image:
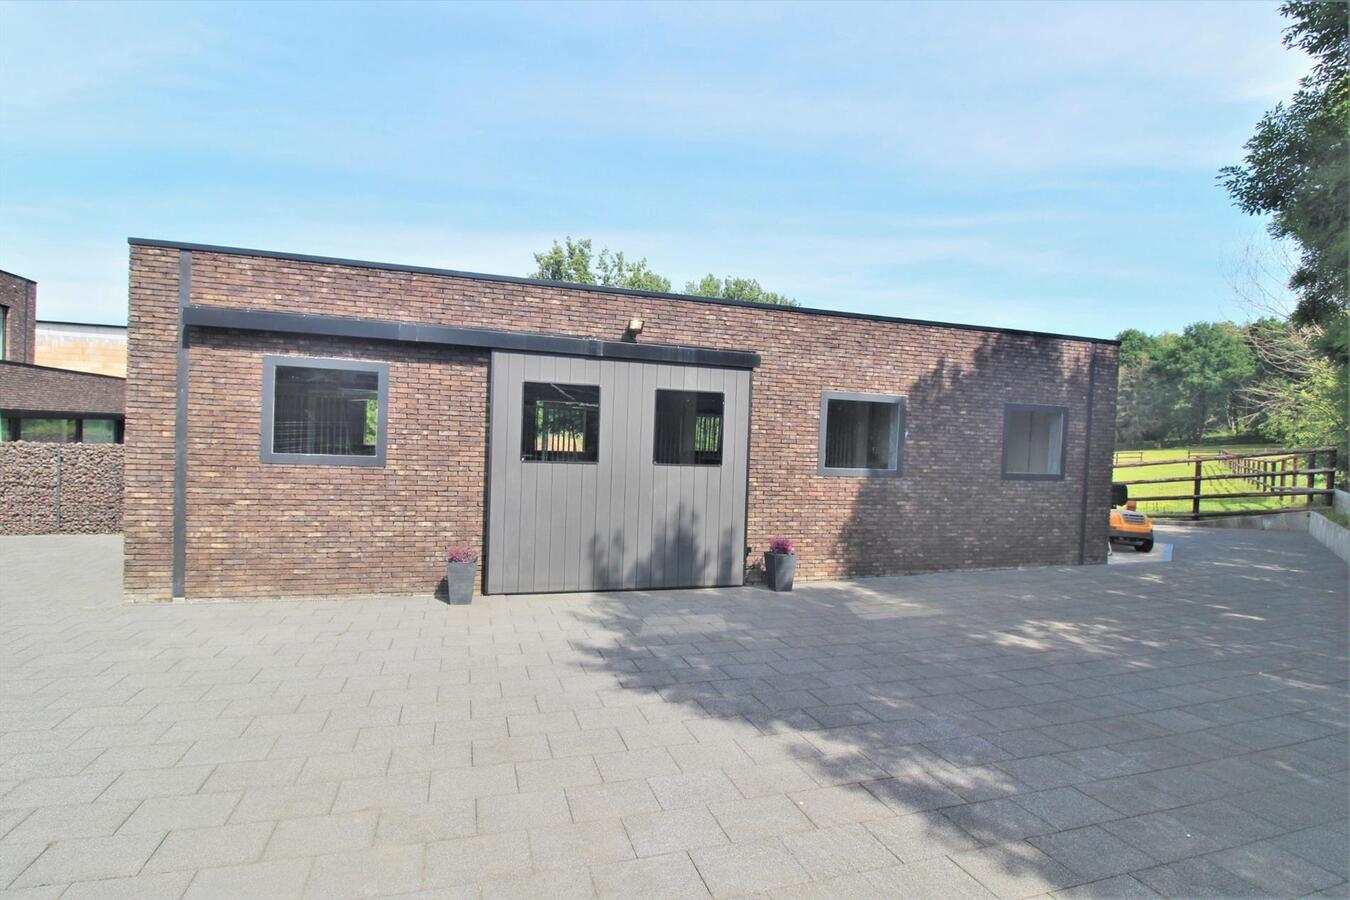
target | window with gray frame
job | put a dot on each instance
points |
(688, 428)
(1033, 441)
(861, 434)
(324, 411)
(560, 422)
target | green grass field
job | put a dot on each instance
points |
(1142, 492)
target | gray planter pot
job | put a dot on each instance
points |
(459, 581)
(779, 569)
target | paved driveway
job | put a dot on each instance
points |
(1177, 728)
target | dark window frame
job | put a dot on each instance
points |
(1008, 410)
(599, 400)
(721, 426)
(899, 428)
(269, 394)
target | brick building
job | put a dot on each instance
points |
(303, 426)
(82, 346)
(42, 401)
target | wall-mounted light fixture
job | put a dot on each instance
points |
(634, 329)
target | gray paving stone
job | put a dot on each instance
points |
(279, 880)
(557, 885)
(317, 835)
(759, 818)
(997, 821)
(915, 837)
(1016, 870)
(1066, 807)
(56, 791)
(80, 820)
(840, 805)
(521, 812)
(200, 848)
(1198, 877)
(697, 788)
(473, 782)
(673, 875)
(936, 877)
(1274, 869)
(557, 773)
(669, 831)
(382, 871)
(1116, 886)
(288, 802)
(159, 886)
(14, 858)
(748, 867)
(1092, 852)
(481, 858)
(828, 852)
(85, 859)
(423, 823)
(579, 845)
(612, 800)
(160, 814)
(388, 790)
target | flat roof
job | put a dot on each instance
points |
(15, 275)
(79, 372)
(600, 289)
(80, 324)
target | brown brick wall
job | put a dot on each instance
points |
(19, 298)
(83, 495)
(950, 510)
(37, 389)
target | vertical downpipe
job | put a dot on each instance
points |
(1087, 458)
(180, 431)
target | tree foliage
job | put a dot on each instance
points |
(731, 288)
(575, 261)
(1181, 386)
(1297, 164)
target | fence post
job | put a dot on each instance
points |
(58, 490)
(1331, 478)
(1312, 476)
(1195, 501)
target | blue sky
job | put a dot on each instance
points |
(1045, 166)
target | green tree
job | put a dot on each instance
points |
(731, 288)
(1205, 368)
(574, 262)
(1137, 418)
(577, 263)
(1297, 165)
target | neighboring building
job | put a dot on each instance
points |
(49, 403)
(306, 426)
(83, 347)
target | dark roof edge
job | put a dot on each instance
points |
(599, 289)
(83, 324)
(15, 362)
(16, 275)
(451, 336)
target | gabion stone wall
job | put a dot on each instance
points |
(60, 488)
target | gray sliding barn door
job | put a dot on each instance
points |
(562, 522)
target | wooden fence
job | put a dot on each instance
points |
(1270, 473)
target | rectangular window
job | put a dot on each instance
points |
(560, 422)
(99, 431)
(861, 434)
(1033, 441)
(324, 411)
(688, 428)
(51, 431)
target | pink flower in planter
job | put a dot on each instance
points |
(462, 554)
(781, 545)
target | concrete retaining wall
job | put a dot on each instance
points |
(1330, 535)
(60, 488)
